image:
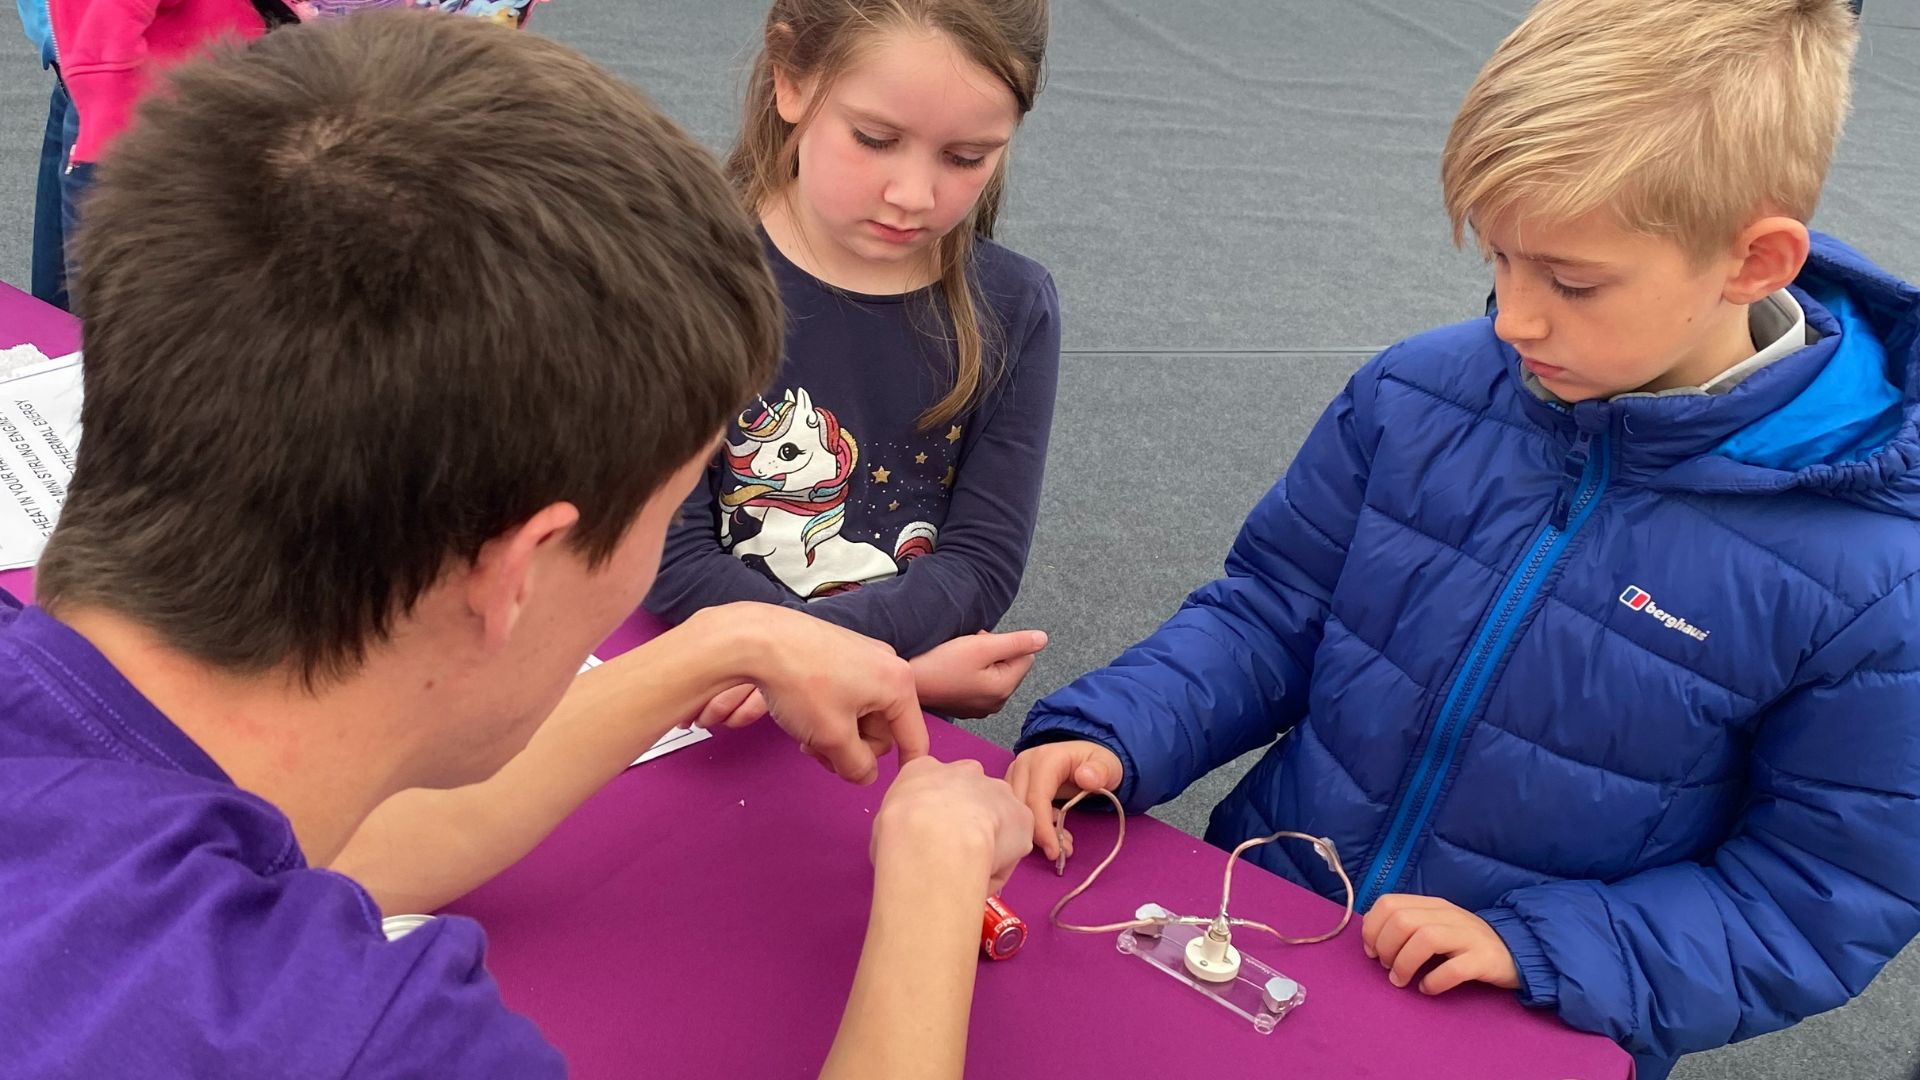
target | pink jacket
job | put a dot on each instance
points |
(108, 51)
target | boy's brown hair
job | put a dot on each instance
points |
(369, 293)
(1685, 118)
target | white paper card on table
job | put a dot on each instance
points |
(39, 432)
(15, 357)
(678, 738)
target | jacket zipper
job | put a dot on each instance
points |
(1587, 468)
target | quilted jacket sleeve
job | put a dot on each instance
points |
(1230, 669)
(1816, 889)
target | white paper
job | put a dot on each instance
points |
(678, 738)
(14, 358)
(675, 739)
(39, 432)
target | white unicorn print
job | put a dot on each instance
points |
(791, 475)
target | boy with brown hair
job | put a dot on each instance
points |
(1590, 626)
(405, 338)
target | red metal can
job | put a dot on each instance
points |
(1001, 932)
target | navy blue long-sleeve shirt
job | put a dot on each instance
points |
(829, 497)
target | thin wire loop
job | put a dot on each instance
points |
(1323, 846)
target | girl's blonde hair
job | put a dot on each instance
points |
(812, 42)
(1686, 118)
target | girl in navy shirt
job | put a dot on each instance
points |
(889, 479)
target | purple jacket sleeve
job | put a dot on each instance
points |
(446, 1018)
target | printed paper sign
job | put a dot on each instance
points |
(39, 432)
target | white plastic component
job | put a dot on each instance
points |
(1151, 911)
(1245, 996)
(396, 927)
(1212, 958)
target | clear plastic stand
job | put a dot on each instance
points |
(1258, 994)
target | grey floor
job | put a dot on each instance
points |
(1239, 200)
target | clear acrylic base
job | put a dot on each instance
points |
(1258, 994)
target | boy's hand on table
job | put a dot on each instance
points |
(953, 810)
(974, 676)
(1058, 770)
(1406, 932)
(845, 698)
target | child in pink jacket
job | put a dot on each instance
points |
(107, 52)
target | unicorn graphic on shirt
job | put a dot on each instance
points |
(791, 475)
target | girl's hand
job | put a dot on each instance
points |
(1406, 932)
(971, 677)
(736, 707)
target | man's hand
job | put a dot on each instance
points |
(845, 698)
(945, 838)
(1056, 771)
(940, 811)
(974, 676)
(1406, 932)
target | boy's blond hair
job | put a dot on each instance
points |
(1687, 118)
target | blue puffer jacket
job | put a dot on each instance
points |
(1638, 680)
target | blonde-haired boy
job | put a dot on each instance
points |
(1591, 623)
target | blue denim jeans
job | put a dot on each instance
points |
(51, 212)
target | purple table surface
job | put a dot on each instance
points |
(26, 321)
(700, 917)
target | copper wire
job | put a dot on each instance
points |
(1321, 845)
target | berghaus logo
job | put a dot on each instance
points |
(1641, 601)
